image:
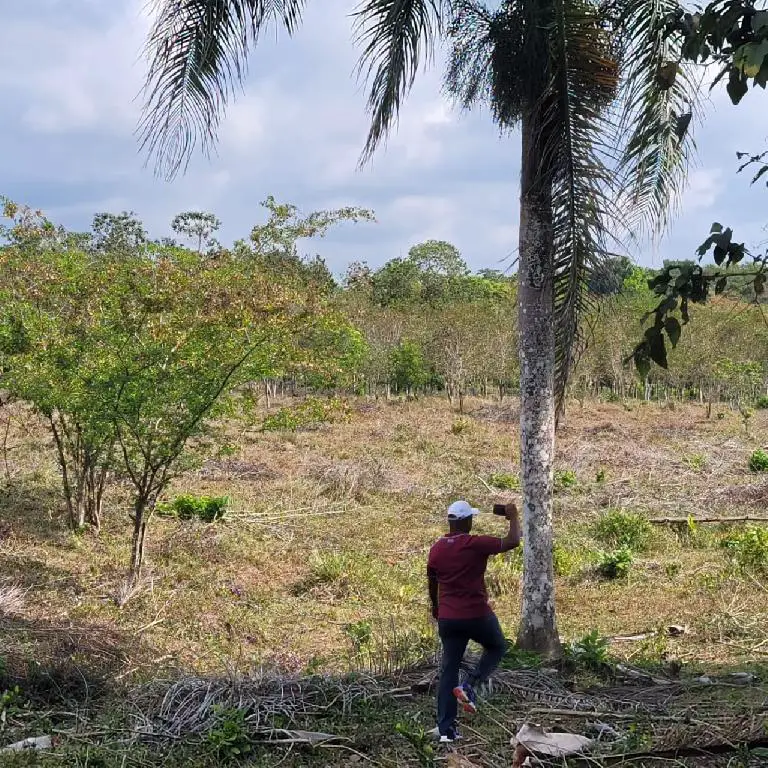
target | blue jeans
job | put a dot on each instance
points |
(454, 635)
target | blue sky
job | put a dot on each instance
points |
(70, 71)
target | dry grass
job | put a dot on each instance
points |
(375, 488)
(319, 564)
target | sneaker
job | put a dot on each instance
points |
(465, 695)
(450, 737)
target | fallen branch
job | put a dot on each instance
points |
(697, 520)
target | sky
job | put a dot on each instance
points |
(70, 76)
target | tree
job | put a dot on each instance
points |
(552, 66)
(198, 226)
(438, 257)
(120, 233)
(129, 356)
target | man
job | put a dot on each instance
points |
(456, 573)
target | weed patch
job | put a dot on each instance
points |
(615, 564)
(505, 481)
(758, 461)
(748, 549)
(624, 530)
(207, 509)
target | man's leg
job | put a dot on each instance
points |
(454, 638)
(487, 632)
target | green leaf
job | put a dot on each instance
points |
(658, 349)
(737, 86)
(760, 21)
(642, 361)
(673, 329)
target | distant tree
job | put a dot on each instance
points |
(409, 370)
(198, 226)
(120, 233)
(398, 282)
(438, 257)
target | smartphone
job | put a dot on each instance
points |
(500, 509)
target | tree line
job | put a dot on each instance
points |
(129, 349)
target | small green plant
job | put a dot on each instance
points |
(624, 530)
(228, 738)
(748, 549)
(673, 569)
(758, 461)
(208, 509)
(419, 738)
(565, 560)
(600, 476)
(517, 658)
(505, 481)
(564, 479)
(460, 426)
(360, 633)
(590, 652)
(762, 402)
(615, 564)
(695, 461)
(10, 703)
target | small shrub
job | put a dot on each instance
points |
(420, 740)
(505, 481)
(591, 652)
(748, 549)
(673, 569)
(360, 633)
(696, 461)
(762, 402)
(208, 509)
(460, 426)
(624, 530)
(565, 478)
(616, 564)
(228, 738)
(758, 461)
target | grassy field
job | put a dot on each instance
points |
(319, 563)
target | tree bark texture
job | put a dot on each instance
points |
(538, 629)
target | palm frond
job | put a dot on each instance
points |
(580, 131)
(487, 64)
(659, 95)
(395, 35)
(197, 51)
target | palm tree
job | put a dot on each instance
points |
(600, 97)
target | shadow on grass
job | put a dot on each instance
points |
(57, 663)
(31, 506)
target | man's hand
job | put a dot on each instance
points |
(512, 539)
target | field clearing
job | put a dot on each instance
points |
(319, 564)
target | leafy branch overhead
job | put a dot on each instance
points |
(680, 284)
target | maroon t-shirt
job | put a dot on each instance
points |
(459, 560)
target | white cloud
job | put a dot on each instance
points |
(70, 72)
(703, 190)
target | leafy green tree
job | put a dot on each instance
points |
(438, 257)
(197, 226)
(559, 68)
(409, 370)
(121, 233)
(397, 283)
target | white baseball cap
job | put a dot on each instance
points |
(460, 510)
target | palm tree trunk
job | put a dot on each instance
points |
(538, 630)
